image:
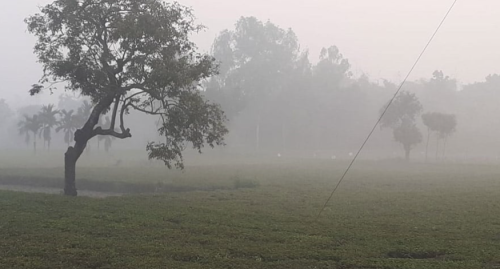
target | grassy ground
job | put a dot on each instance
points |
(383, 216)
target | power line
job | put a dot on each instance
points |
(386, 108)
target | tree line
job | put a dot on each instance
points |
(126, 55)
(41, 125)
(277, 99)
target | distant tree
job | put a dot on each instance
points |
(429, 120)
(439, 92)
(440, 82)
(5, 115)
(68, 124)
(256, 60)
(48, 119)
(442, 124)
(401, 117)
(30, 125)
(69, 102)
(129, 55)
(331, 69)
(448, 127)
(408, 135)
(5, 112)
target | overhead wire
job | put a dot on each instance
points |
(385, 110)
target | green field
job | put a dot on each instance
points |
(259, 214)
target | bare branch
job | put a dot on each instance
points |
(115, 109)
(150, 112)
(124, 134)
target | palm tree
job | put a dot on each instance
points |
(68, 124)
(30, 124)
(48, 119)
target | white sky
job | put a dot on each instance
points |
(381, 38)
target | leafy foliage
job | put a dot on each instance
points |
(256, 58)
(130, 54)
(404, 106)
(441, 123)
(401, 116)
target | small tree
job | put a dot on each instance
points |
(429, 120)
(123, 55)
(447, 128)
(408, 135)
(400, 117)
(443, 125)
(48, 120)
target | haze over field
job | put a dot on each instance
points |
(380, 40)
(106, 105)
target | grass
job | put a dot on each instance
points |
(383, 216)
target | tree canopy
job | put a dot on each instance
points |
(130, 55)
(134, 54)
(401, 117)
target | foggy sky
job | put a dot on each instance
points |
(380, 38)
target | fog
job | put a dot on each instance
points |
(313, 107)
(285, 134)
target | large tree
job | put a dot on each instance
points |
(123, 55)
(400, 117)
(256, 62)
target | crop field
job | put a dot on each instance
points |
(251, 214)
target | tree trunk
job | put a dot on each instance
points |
(70, 158)
(81, 137)
(48, 145)
(34, 146)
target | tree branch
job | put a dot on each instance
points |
(113, 116)
(155, 112)
(124, 134)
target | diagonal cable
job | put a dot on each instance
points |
(386, 108)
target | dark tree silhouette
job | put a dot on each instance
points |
(123, 55)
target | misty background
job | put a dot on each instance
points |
(308, 79)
